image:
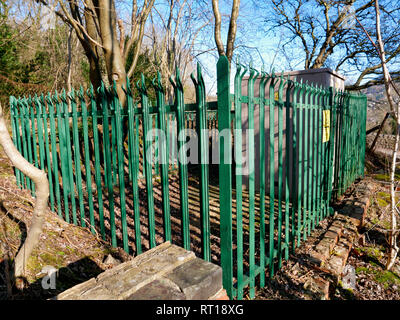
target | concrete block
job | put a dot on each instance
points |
(159, 289)
(198, 279)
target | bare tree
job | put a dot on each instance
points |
(39, 177)
(173, 35)
(230, 42)
(327, 34)
(97, 26)
(395, 111)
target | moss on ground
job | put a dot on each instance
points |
(384, 277)
(386, 177)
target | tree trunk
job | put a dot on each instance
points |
(393, 248)
(115, 63)
(39, 177)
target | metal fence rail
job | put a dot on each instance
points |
(95, 154)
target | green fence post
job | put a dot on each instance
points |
(251, 165)
(332, 137)
(310, 136)
(202, 134)
(15, 131)
(147, 165)
(288, 193)
(238, 174)
(25, 137)
(97, 172)
(225, 172)
(306, 168)
(301, 166)
(163, 149)
(69, 159)
(282, 84)
(316, 106)
(47, 147)
(88, 172)
(134, 160)
(108, 169)
(271, 174)
(262, 84)
(182, 159)
(296, 185)
(77, 156)
(121, 164)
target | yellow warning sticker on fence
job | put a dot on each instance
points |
(326, 125)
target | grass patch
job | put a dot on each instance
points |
(386, 177)
(381, 203)
(387, 278)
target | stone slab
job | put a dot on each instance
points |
(159, 289)
(123, 280)
(166, 272)
(198, 279)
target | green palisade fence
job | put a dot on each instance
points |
(97, 156)
(283, 210)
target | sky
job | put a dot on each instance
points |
(253, 44)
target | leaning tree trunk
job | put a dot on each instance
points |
(39, 177)
(393, 233)
(393, 247)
